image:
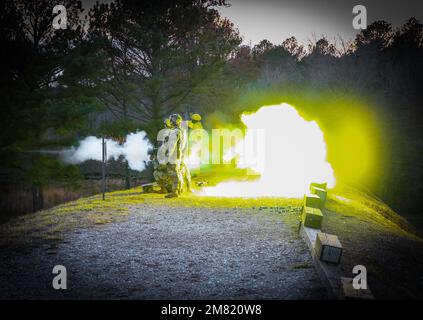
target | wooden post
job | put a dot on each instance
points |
(106, 184)
(103, 168)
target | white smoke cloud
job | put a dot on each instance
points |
(134, 150)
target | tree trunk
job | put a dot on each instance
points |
(37, 198)
(127, 176)
(157, 120)
(125, 119)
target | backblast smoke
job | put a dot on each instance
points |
(134, 150)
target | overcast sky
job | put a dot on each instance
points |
(277, 20)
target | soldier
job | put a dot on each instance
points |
(175, 155)
(161, 170)
(195, 122)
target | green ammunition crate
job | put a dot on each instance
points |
(321, 193)
(318, 185)
(312, 217)
(312, 201)
(328, 248)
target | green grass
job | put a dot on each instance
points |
(85, 212)
(52, 224)
(350, 202)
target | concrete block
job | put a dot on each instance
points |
(310, 235)
(330, 274)
(328, 248)
(349, 293)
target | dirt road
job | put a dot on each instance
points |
(169, 253)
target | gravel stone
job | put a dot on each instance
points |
(169, 253)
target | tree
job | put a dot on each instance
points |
(291, 45)
(30, 90)
(154, 56)
(242, 68)
(157, 54)
(262, 47)
(378, 34)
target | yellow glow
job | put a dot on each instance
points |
(356, 149)
(194, 157)
(291, 156)
(198, 151)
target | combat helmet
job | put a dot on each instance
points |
(175, 119)
(195, 117)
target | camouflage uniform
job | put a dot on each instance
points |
(175, 154)
(161, 175)
(185, 177)
(185, 172)
(175, 178)
(192, 124)
(162, 172)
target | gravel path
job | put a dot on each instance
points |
(163, 253)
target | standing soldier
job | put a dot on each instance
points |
(175, 155)
(195, 122)
(160, 166)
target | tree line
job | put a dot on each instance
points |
(125, 65)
